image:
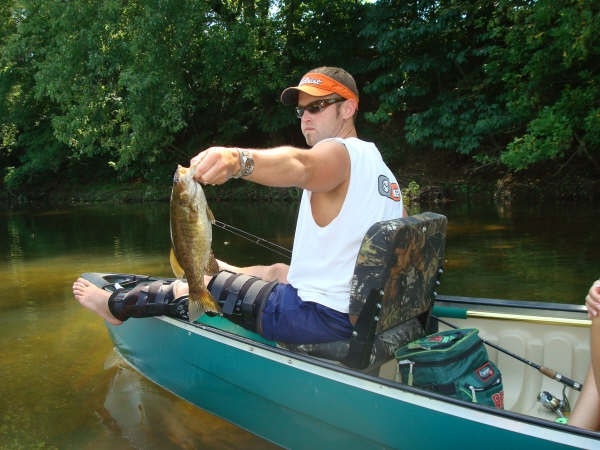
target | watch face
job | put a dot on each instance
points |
(248, 164)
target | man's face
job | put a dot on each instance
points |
(319, 125)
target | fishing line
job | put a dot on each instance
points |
(550, 373)
(272, 246)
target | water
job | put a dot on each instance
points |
(64, 388)
(542, 251)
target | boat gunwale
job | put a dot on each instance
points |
(512, 303)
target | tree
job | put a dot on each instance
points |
(126, 90)
(432, 57)
(28, 145)
(509, 82)
(552, 82)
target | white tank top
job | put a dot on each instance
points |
(323, 258)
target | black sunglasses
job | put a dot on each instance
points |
(318, 106)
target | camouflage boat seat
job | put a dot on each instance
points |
(397, 270)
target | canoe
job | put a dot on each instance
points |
(298, 401)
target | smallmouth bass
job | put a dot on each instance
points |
(191, 239)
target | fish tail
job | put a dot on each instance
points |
(210, 306)
(194, 309)
(204, 304)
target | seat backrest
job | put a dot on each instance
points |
(402, 257)
(391, 295)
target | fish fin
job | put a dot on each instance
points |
(210, 215)
(212, 266)
(175, 266)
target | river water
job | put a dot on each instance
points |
(62, 385)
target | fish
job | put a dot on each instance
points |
(191, 241)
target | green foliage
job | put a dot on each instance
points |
(549, 135)
(129, 89)
(119, 79)
(411, 193)
(552, 84)
(489, 79)
(432, 56)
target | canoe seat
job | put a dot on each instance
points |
(392, 290)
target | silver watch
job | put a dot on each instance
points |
(246, 164)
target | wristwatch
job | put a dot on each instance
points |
(246, 164)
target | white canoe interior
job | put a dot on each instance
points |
(563, 347)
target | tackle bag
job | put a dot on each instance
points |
(453, 363)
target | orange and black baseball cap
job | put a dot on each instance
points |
(321, 82)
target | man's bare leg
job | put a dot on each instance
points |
(275, 272)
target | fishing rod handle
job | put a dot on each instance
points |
(561, 378)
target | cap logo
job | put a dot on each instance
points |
(309, 80)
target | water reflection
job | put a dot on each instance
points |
(60, 396)
(15, 249)
(531, 252)
(146, 418)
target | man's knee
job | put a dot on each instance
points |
(278, 272)
(241, 297)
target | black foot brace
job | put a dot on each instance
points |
(147, 300)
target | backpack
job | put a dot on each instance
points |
(453, 363)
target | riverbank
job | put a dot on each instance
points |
(443, 177)
(424, 179)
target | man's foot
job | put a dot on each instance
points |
(94, 298)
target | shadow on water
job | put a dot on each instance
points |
(67, 390)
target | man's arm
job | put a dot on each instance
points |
(319, 169)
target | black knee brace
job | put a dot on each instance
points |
(241, 297)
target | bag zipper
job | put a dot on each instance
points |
(474, 389)
(446, 361)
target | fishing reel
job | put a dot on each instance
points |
(562, 408)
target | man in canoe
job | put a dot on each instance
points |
(586, 413)
(346, 188)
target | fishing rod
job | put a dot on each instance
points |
(272, 246)
(550, 373)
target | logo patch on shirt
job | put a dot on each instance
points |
(389, 189)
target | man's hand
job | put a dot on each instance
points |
(215, 165)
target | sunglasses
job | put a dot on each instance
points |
(318, 106)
